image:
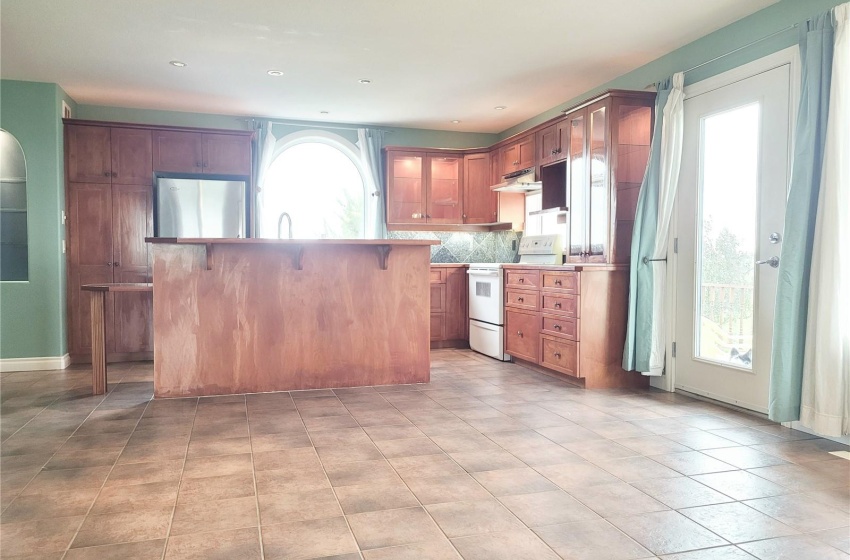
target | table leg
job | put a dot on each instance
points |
(98, 343)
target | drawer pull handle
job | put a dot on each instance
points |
(519, 299)
(557, 282)
(519, 334)
(558, 305)
(557, 355)
(557, 327)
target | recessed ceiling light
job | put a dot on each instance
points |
(275, 73)
(500, 107)
(323, 112)
(455, 121)
(365, 81)
(177, 63)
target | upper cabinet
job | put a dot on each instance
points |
(518, 155)
(552, 143)
(479, 201)
(195, 152)
(425, 188)
(99, 154)
(608, 151)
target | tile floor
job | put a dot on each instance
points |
(489, 461)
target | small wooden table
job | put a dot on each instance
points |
(98, 328)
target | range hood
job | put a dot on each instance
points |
(523, 181)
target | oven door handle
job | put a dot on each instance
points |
(480, 272)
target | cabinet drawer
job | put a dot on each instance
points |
(522, 334)
(560, 355)
(566, 281)
(561, 304)
(438, 298)
(438, 276)
(521, 299)
(568, 328)
(528, 279)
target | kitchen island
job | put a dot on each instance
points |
(258, 315)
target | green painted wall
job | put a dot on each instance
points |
(32, 313)
(397, 136)
(760, 24)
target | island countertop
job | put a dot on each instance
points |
(259, 315)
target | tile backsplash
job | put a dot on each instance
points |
(466, 247)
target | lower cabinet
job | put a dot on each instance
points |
(570, 320)
(449, 312)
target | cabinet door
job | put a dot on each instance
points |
(227, 154)
(180, 152)
(577, 186)
(522, 334)
(598, 215)
(510, 158)
(443, 192)
(405, 188)
(132, 156)
(89, 159)
(479, 202)
(132, 221)
(547, 145)
(457, 313)
(89, 259)
(438, 298)
(495, 167)
(526, 153)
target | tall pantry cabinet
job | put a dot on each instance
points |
(110, 212)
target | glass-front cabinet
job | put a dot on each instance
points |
(424, 188)
(443, 200)
(609, 149)
(406, 203)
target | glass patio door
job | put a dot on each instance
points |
(731, 207)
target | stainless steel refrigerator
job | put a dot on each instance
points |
(192, 207)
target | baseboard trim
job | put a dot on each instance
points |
(35, 364)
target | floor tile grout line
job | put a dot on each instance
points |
(112, 468)
(254, 480)
(179, 480)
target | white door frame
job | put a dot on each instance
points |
(789, 56)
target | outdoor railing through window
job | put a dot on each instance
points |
(727, 320)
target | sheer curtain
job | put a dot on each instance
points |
(266, 142)
(792, 291)
(645, 342)
(825, 398)
(370, 141)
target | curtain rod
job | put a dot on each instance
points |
(312, 125)
(748, 45)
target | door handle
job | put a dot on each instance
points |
(772, 261)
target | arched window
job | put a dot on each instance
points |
(316, 177)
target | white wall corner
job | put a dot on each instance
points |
(35, 364)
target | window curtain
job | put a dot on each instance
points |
(792, 291)
(370, 141)
(825, 397)
(646, 329)
(263, 157)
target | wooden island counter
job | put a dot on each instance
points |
(258, 315)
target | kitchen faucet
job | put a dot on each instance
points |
(280, 223)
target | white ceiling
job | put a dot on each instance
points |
(429, 61)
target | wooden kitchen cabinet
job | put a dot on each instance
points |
(479, 201)
(449, 307)
(570, 321)
(197, 152)
(518, 155)
(552, 143)
(424, 188)
(98, 154)
(608, 152)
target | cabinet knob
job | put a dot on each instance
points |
(416, 215)
(109, 263)
(116, 263)
(114, 174)
(521, 280)
(557, 282)
(106, 173)
(558, 305)
(557, 354)
(556, 327)
(199, 164)
(519, 334)
(464, 216)
(519, 299)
